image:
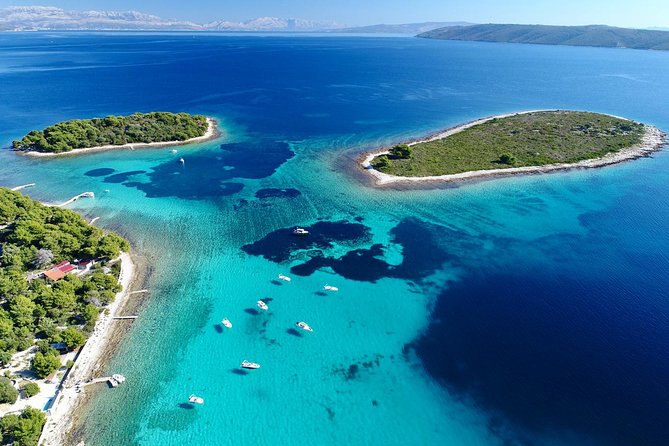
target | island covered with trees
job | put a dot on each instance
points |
(41, 311)
(516, 143)
(589, 35)
(138, 128)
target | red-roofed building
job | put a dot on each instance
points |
(66, 268)
(63, 263)
(54, 274)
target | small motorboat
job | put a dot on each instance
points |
(300, 231)
(174, 150)
(195, 399)
(250, 365)
(182, 161)
(330, 288)
(118, 378)
(304, 326)
(262, 305)
(284, 278)
(226, 323)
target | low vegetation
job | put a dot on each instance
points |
(30, 389)
(530, 139)
(8, 393)
(114, 130)
(33, 237)
(24, 429)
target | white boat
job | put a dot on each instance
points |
(118, 378)
(330, 288)
(304, 326)
(182, 161)
(174, 150)
(284, 278)
(262, 305)
(250, 365)
(195, 399)
(226, 323)
(300, 231)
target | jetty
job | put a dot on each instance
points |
(23, 186)
(120, 318)
(113, 380)
(73, 199)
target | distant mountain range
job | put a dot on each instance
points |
(35, 18)
(270, 24)
(593, 35)
(19, 18)
(38, 18)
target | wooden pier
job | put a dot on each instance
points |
(113, 380)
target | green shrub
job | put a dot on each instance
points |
(382, 162)
(30, 389)
(43, 365)
(507, 158)
(8, 394)
(401, 151)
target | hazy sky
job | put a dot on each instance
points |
(644, 13)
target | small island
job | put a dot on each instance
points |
(155, 129)
(525, 142)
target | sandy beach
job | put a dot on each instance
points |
(60, 416)
(212, 133)
(654, 139)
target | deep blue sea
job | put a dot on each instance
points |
(519, 311)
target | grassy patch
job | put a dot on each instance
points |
(531, 139)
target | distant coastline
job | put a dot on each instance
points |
(212, 133)
(653, 140)
(591, 35)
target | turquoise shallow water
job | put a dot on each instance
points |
(527, 310)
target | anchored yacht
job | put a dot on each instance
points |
(250, 365)
(195, 399)
(226, 323)
(262, 305)
(284, 278)
(304, 326)
(330, 288)
(300, 231)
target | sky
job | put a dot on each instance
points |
(625, 13)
